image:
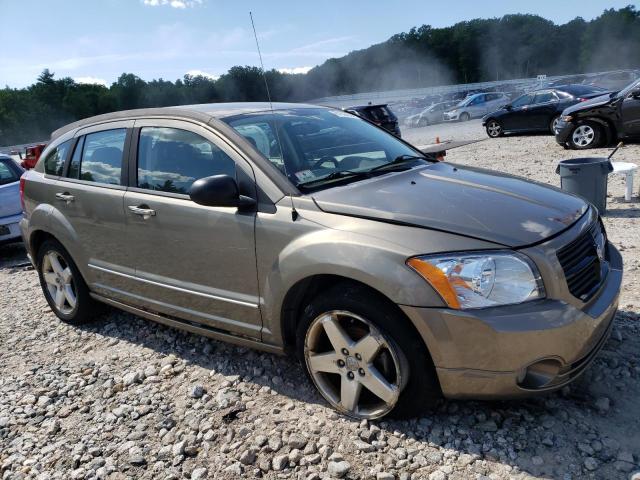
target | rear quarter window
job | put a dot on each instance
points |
(54, 161)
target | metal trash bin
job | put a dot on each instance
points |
(586, 177)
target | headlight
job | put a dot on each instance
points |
(567, 118)
(480, 279)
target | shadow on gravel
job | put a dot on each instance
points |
(13, 255)
(583, 428)
(633, 212)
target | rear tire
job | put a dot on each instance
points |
(553, 124)
(494, 129)
(465, 117)
(63, 286)
(586, 135)
(401, 358)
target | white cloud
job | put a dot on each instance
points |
(91, 81)
(172, 3)
(295, 70)
(200, 73)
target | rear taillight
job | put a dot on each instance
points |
(583, 99)
(22, 181)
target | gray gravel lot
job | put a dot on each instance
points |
(127, 398)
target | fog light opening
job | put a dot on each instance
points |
(539, 374)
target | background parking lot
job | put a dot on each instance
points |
(128, 398)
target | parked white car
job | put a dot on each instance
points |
(429, 116)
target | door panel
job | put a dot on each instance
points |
(92, 205)
(193, 262)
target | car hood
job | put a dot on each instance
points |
(468, 201)
(587, 104)
(10, 199)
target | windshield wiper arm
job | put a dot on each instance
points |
(399, 160)
(335, 175)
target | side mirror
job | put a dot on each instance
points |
(508, 106)
(635, 93)
(219, 191)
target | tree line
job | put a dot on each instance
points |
(513, 46)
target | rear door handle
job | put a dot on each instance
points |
(145, 213)
(65, 197)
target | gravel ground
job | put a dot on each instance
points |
(127, 398)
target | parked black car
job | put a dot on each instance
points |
(380, 114)
(539, 110)
(601, 120)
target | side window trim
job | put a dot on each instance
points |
(67, 163)
(124, 172)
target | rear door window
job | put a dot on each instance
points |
(54, 161)
(98, 157)
(544, 97)
(522, 101)
(171, 159)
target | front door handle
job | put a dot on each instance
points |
(65, 197)
(145, 213)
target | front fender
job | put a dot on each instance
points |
(325, 251)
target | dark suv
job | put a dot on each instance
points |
(601, 120)
(380, 115)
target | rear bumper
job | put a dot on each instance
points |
(12, 224)
(517, 351)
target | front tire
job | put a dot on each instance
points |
(553, 125)
(585, 135)
(62, 284)
(465, 117)
(494, 129)
(363, 358)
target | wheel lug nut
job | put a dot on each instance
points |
(358, 356)
(345, 351)
(350, 375)
(341, 363)
(361, 372)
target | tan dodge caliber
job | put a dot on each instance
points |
(395, 279)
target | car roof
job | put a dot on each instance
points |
(203, 112)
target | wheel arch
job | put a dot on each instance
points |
(303, 292)
(606, 124)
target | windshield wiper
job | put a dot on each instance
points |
(335, 175)
(395, 163)
(399, 160)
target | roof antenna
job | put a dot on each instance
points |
(264, 75)
(294, 212)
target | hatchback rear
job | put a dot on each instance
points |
(10, 208)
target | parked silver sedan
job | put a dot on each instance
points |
(429, 116)
(476, 106)
(392, 277)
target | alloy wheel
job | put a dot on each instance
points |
(494, 129)
(357, 369)
(554, 125)
(59, 282)
(583, 135)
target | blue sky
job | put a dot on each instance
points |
(96, 40)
